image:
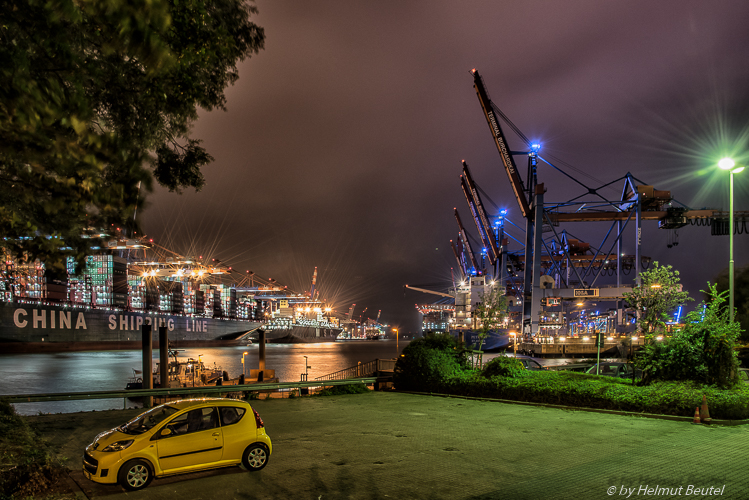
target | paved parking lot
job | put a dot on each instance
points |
(405, 446)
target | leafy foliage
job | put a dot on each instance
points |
(428, 361)
(504, 366)
(338, 390)
(490, 313)
(420, 371)
(703, 351)
(27, 467)
(96, 99)
(658, 294)
(741, 296)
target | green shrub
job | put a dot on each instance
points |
(591, 391)
(27, 468)
(428, 362)
(439, 370)
(504, 366)
(703, 351)
(338, 390)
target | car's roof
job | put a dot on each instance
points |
(189, 403)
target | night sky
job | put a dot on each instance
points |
(342, 142)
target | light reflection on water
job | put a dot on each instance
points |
(109, 370)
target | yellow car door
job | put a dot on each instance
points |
(194, 441)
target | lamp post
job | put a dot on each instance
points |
(243, 355)
(730, 165)
(397, 351)
(514, 343)
(306, 367)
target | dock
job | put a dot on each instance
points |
(551, 347)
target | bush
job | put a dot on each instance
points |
(439, 370)
(27, 468)
(591, 391)
(703, 351)
(338, 390)
(428, 362)
(504, 366)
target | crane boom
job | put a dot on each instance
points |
(466, 243)
(474, 211)
(482, 222)
(461, 262)
(504, 151)
(424, 290)
(312, 289)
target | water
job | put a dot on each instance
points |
(109, 370)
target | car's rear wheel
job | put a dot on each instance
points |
(255, 457)
(135, 475)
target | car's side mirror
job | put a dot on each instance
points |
(165, 432)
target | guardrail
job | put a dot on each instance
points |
(367, 369)
(176, 391)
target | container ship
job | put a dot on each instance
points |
(105, 305)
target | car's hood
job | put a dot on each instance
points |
(105, 438)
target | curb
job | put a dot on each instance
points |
(582, 408)
(73, 484)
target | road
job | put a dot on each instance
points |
(386, 445)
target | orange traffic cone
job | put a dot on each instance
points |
(696, 419)
(704, 412)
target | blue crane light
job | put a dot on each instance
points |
(536, 147)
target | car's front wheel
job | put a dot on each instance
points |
(255, 457)
(135, 475)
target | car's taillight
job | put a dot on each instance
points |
(258, 420)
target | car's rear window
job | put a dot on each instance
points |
(231, 414)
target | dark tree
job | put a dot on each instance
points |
(740, 296)
(96, 101)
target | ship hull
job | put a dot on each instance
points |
(495, 340)
(300, 335)
(32, 327)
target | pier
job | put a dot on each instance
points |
(549, 347)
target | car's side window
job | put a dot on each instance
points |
(179, 425)
(231, 415)
(193, 421)
(209, 418)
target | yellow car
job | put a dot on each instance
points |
(178, 437)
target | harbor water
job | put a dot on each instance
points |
(51, 373)
(109, 370)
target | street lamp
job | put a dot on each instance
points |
(514, 343)
(306, 367)
(730, 165)
(243, 355)
(397, 351)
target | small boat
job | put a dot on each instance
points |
(182, 373)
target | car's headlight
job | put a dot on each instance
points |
(118, 446)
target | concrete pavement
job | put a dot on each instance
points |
(405, 446)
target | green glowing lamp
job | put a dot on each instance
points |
(729, 164)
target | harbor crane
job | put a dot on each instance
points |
(638, 201)
(466, 245)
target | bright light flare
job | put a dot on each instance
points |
(729, 164)
(726, 163)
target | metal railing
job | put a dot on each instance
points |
(368, 369)
(176, 391)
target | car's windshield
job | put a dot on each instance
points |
(146, 421)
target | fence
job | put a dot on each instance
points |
(368, 369)
(177, 391)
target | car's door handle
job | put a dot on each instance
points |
(215, 434)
